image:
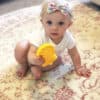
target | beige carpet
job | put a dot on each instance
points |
(19, 25)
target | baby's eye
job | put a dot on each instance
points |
(61, 23)
(49, 22)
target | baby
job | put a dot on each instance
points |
(56, 18)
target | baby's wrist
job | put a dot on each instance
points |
(77, 67)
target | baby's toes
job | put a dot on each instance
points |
(20, 74)
(36, 72)
(37, 76)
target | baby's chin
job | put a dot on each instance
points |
(54, 35)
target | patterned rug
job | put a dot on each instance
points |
(18, 25)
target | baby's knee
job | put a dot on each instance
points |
(22, 44)
(21, 49)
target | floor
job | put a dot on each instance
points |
(11, 5)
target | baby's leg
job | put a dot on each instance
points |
(36, 71)
(21, 52)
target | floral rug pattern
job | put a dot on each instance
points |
(17, 26)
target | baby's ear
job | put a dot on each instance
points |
(70, 23)
(41, 20)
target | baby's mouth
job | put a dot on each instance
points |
(55, 34)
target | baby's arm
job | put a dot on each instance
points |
(75, 57)
(83, 71)
(32, 58)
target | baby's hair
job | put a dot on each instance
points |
(44, 9)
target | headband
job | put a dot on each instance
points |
(64, 9)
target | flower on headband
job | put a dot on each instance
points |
(52, 7)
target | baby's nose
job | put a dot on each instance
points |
(54, 27)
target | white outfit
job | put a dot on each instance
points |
(67, 42)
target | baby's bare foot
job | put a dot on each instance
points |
(36, 72)
(22, 71)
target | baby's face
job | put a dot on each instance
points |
(55, 25)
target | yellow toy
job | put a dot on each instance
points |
(47, 51)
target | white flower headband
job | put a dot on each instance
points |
(52, 7)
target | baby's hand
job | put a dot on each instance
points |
(38, 60)
(83, 71)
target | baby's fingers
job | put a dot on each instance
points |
(40, 60)
(87, 74)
